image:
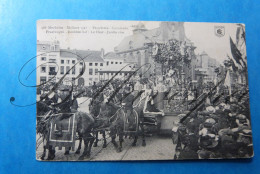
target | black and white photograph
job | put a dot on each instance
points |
(141, 90)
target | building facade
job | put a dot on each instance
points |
(114, 64)
(53, 63)
(205, 67)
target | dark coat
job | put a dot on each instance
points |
(129, 100)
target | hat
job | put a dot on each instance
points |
(210, 120)
(241, 117)
(211, 109)
(127, 88)
(63, 88)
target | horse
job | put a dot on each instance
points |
(88, 126)
(119, 127)
(138, 106)
(85, 126)
(95, 110)
(112, 109)
(142, 106)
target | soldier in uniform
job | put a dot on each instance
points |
(94, 105)
(128, 107)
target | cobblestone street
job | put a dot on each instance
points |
(157, 148)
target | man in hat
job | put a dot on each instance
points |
(186, 143)
(128, 106)
(208, 139)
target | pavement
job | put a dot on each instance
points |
(157, 148)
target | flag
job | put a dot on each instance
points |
(227, 83)
(236, 54)
(234, 66)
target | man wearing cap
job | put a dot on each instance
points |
(128, 106)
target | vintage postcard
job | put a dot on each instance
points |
(141, 90)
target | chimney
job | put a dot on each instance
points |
(102, 53)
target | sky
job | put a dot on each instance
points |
(204, 38)
(201, 34)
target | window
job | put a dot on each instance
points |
(107, 73)
(62, 70)
(43, 69)
(90, 64)
(67, 70)
(112, 62)
(101, 64)
(90, 71)
(43, 58)
(62, 61)
(90, 79)
(73, 61)
(73, 70)
(107, 63)
(112, 73)
(42, 80)
(115, 62)
(101, 73)
(68, 61)
(52, 71)
(96, 64)
(120, 74)
(96, 71)
(120, 62)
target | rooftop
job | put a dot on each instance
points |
(87, 55)
(112, 55)
(123, 67)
